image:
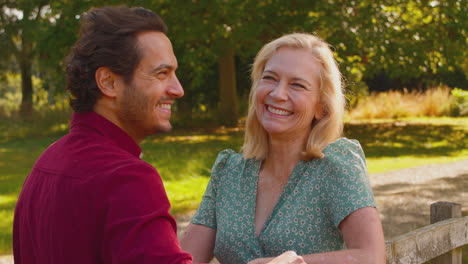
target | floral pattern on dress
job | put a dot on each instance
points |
(319, 194)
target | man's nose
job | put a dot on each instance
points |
(175, 89)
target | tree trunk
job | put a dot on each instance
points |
(228, 89)
(26, 107)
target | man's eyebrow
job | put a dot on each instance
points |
(163, 66)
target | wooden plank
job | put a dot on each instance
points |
(428, 242)
(439, 212)
(444, 210)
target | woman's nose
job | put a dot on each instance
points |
(280, 91)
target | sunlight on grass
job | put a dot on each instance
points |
(192, 138)
(184, 159)
(4, 150)
(59, 128)
(378, 165)
(452, 121)
(185, 195)
(6, 225)
(7, 199)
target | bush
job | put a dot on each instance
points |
(459, 105)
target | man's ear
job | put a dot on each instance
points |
(105, 80)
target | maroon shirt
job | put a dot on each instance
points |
(91, 199)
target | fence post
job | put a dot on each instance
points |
(442, 211)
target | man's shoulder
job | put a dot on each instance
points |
(85, 157)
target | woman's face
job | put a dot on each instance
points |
(288, 92)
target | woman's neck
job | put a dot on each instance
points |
(283, 156)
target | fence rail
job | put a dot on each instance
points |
(439, 242)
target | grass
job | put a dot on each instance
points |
(184, 158)
(396, 144)
(16, 159)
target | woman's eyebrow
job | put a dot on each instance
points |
(301, 80)
(269, 71)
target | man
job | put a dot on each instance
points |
(90, 198)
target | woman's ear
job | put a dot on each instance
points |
(319, 111)
(105, 80)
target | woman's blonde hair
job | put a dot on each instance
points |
(325, 130)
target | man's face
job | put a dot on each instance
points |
(144, 105)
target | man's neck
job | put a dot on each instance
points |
(107, 111)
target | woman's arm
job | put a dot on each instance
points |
(199, 241)
(363, 235)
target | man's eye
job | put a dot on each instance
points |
(162, 74)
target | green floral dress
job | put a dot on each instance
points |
(320, 193)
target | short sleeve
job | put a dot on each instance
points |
(346, 186)
(206, 213)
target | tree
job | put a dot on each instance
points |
(37, 29)
(216, 32)
(410, 40)
(406, 39)
(19, 23)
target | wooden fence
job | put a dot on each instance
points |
(439, 242)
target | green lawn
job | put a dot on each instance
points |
(184, 159)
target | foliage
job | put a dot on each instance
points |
(419, 43)
(208, 34)
(47, 107)
(10, 96)
(36, 35)
(410, 40)
(460, 102)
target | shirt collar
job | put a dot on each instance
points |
(92, 120)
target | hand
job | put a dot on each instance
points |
(288, 257)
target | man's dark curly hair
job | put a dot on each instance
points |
(107, 39)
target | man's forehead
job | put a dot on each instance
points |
(156, 49)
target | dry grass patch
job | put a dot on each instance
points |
(398, 104)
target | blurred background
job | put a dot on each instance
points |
(405, 64)
(414, 48)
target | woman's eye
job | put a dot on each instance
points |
(268, 77)
(298, 85)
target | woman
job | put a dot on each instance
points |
(296, 185)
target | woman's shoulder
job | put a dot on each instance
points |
(228, 158)
(344, 160)
(342, 146)
(343, 152)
